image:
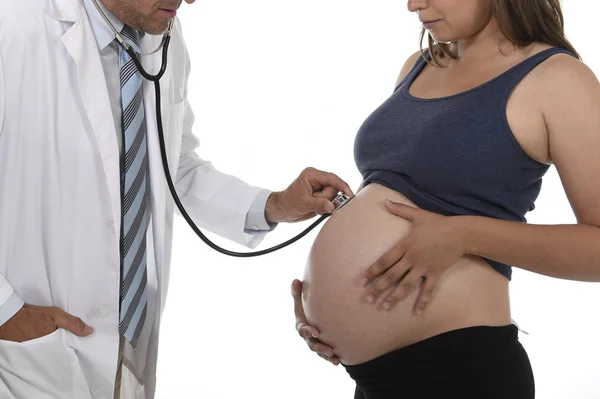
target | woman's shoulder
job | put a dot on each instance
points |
(409, 64)
(564, 70)
(567, 89)
(561, 62)
(558, 76)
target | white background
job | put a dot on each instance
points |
(281, 85)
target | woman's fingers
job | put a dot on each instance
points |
(333, 360)
(317, 346)
(391, 277)
(307, 331)
(302, 326)
(383, 264)
(298, 308)
(426, 294)
(408, 284)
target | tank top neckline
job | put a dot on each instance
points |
(421, 63)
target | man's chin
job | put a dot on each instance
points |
(157, 27)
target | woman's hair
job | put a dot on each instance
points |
(522, 22)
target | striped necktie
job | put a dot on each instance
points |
(135, 210)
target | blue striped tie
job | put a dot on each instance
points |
(135, 211)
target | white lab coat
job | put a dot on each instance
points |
(60, 198)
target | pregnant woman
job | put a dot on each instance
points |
(460, 148)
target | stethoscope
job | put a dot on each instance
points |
(339, 201)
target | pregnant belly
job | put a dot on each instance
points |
(470, 293)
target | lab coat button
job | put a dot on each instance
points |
(101, 312)
(255, 227)
(95, 391)
(110, 225)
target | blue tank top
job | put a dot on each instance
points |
(453, 155)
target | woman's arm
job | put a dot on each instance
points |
(571, 110)
(570, 102)
(563, 251)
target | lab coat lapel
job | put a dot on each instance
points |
(81, 45)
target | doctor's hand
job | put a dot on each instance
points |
(32, 322)
(310, 334)
(310, 194)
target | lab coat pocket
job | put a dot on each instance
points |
(41, 368)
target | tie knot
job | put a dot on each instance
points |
(132, 37)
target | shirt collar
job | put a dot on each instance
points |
(102, 32)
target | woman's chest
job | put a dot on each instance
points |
(522, 109)
(471, 139)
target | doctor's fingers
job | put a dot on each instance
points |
(318, 178)
(328, 192)
(67, 321)
(308, 216)
(319, 206)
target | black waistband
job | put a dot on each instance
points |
(479, 341)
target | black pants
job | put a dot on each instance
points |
(475, 362)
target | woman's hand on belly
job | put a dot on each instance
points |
(310, 333)
(469, 293)
(434, 243)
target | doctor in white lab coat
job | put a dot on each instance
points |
(60, 199)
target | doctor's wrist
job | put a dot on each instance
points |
(273, 211)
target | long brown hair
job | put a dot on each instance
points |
(522, 22)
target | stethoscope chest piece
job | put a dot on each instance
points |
(340, 200)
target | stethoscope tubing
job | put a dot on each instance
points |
(156, 80)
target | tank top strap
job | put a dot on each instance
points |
(414, 72)
(506, 81)
(511, 78)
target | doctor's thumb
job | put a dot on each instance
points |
(71, 323)
(321, 205)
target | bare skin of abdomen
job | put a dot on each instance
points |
(470, 292)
